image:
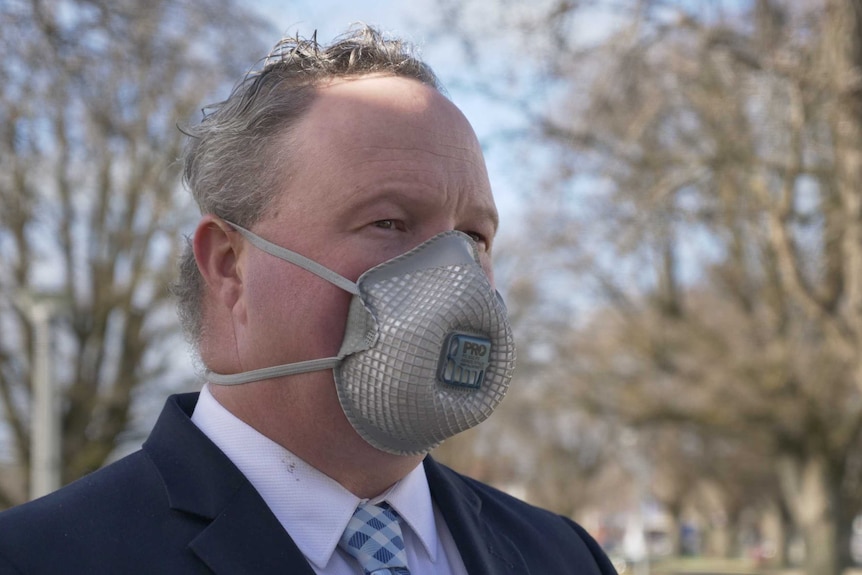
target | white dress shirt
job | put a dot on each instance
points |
(295, 492)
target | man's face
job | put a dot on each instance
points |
(380, 164)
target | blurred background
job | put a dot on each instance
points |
(680, 185)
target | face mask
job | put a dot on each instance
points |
(428, 350)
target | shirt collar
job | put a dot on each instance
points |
(411, 499)
(294, 490)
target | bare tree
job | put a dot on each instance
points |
(704, 200)
(91, 96)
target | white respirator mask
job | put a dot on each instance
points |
(427, 352)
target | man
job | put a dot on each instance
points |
(339, 292)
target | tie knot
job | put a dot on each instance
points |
(373, 537)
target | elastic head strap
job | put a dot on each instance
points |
(297, 259)
(292, 368)
(270, 372)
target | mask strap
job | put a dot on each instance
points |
(292, 368)
(297, 259)
(270, 372)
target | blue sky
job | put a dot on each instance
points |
(331, 17)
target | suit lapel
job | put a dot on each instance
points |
(247, 538)
(242, 536)
(483, 550)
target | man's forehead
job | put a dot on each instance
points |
(385, 116)
(384, 97)
(385, 134)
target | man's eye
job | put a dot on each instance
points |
(478, 238)
(385, 224)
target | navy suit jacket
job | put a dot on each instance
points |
(180, 506)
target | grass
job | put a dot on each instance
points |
(717, 566)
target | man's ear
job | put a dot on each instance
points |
(217, 247)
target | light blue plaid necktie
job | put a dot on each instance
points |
(373, 537)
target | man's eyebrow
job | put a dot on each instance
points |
(362, 199)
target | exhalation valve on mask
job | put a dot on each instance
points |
(427, 352)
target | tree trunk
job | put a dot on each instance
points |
(844, 535)
(674, 527)
(810, 494)
(774, 536)
(820, 548)
(842, 64)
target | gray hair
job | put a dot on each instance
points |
(231, 163)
